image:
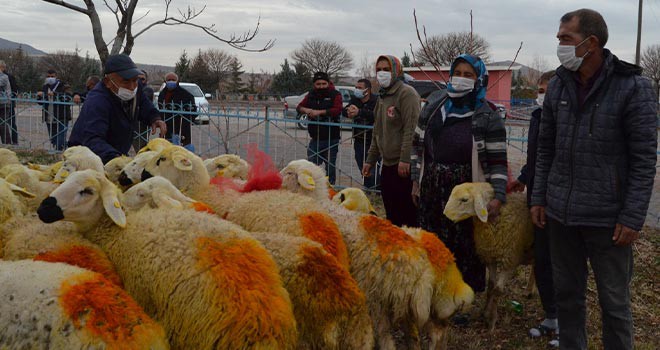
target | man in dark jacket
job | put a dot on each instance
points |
(90, 83)
(57, 109)
(361, 110)
(175, 98)
(323, 104)
(594, 176)
(104, 123)
(10, 113)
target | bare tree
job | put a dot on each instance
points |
(324, 56)
(218, 64)
(443, 49)
(367, 68)
(537, 67)
(71, 67)
(650, 61)
(124, 12)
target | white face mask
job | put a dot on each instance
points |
(123, 93)
(461, 86)
(384, 78)
(51, 80)
(567, 57)
(539, 99)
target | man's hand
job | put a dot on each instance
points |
(404, 169)
(415, 193)
(366, 170)
(538, 216)
(161, 126)
(517, 186)
(50, 93)
(76, 99)
(314, 113)
(493, 208)
(40, 93)
(352, 111)
(624, 235)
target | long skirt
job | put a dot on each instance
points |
(436, 186)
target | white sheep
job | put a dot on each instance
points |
(7, 157)
(114, 167)
(58, 306)
(354, 199)
(329, 306)
(46, 172)
(78, 158)
(29, 179)
(155, 145)
(227, 165)
(209, 283)
(131, 173)
(10, 204)
(502, 245)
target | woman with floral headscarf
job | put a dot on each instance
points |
(459, 138)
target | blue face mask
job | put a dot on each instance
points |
(359, 93)
(171, 85)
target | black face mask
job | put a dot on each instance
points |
(322, 91)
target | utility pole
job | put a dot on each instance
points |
(639, 32)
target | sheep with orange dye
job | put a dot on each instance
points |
(393, 270)
(329, 307)
(209, 283)
(502, 245)
(58, 306)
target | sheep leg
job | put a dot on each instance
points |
(411, 334)
(492, 275)
(502, 278)
(531, 285)
(384, 332)
(437, 333)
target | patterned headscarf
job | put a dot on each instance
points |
(474, 99)
(395, 64)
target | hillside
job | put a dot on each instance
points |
(11, 45)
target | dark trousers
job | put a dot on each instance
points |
(324, 151)
(397, 198)
(361, 147)
(5, 123)
(57, 133)
(543, 272)
(570, 248)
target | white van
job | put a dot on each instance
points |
(200, 100)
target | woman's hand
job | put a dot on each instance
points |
(493, 209)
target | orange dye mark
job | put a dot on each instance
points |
(255, 309)
(389, 238)
(99, 306)
(203, 207)
(331, 192)
(330, 282)
(439, 255)
(89, 258)
(321, 228)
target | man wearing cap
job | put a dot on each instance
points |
(323, 104)
(395, 119)
(105, 121)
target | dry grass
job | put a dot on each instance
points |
(512, 327)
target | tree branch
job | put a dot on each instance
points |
(508, 69)
(115, 11)
(426, 74)
(471, 31)
(425, 46)
(69, 6)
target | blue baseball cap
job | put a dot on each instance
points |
(122, 65)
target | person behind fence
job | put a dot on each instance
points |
(595, 172)
(459, 138)
(5, 106)
(141, 130)
(395, 118)
(176, 98)
(542, 263)
(105, 121)
(10, 120)
(323, 104)
(361, 110)
(57, 97)
(90, 83)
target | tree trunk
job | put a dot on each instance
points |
(97, 31)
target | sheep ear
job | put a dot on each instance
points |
(480, 206)
(182, 161)
(306, 180)
(22, 191)
(162, 200)
(111, 202)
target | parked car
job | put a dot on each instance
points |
(201, 101)
(291, 102)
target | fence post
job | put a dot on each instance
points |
(267, 133)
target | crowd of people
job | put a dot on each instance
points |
(589, 173)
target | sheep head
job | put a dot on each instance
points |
(354, 199)
(306, 178)
(47, 172)
(8, 157)
(81, 158)
(132, 172)
(184, 169)
(155, 145)
(156, 192)
(227, 165)
(113, 167)
(82, 198)
(469, 199)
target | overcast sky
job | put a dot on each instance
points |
(366, 28)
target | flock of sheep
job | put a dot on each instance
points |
(165, 250)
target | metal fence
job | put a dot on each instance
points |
(224, 130)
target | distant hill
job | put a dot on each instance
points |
(11, 45)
